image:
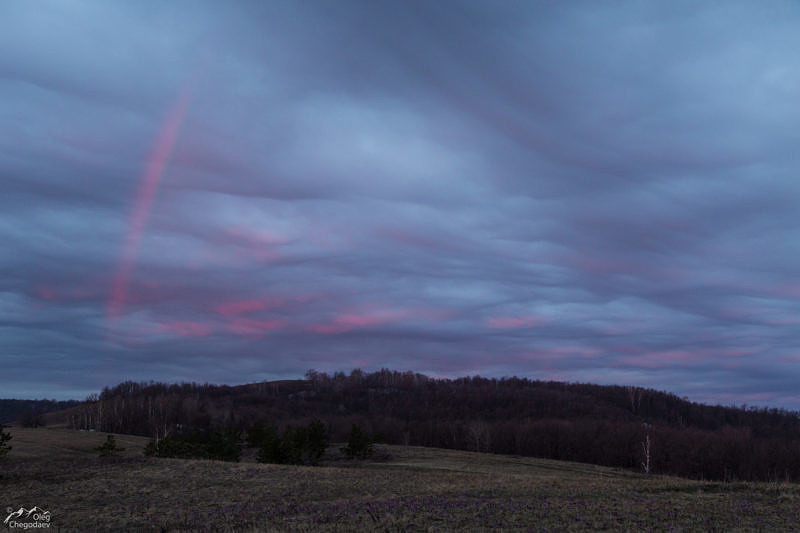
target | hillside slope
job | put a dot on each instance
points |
(417, 489)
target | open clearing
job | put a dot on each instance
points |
(417, 489)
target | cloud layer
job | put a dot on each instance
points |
(231, 192)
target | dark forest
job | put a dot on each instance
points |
(617, 426)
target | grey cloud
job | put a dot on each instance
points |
(586, 192)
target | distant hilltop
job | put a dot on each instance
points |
(30, 412)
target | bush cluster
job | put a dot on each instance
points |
(221, 445)
(299, 445)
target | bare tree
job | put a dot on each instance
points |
(479, 435)
(635, 396)
(646, 454)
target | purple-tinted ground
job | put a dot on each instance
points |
(417, 489)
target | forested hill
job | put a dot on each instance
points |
(605, 425)
(30, 411)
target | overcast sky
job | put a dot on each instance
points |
(231, 192)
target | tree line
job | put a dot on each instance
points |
(296, 445)
(606, 425)
(30, 413)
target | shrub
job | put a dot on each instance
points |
(298, 446)
(222, 445)
(317, 440)
(270, 450)
(5, 436)
(109, 447)
(294, 444)
(257, 433)
(225, 445)
(151, 450)
(177, 448)
(359, 444)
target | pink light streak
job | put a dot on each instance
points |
(148, 186)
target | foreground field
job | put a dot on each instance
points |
(418, 489)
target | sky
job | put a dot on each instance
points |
(231, 192)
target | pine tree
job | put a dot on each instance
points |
(271, 450)
(225, 445)
(359, 444)
(317, 441)
(4, 438)
(294, 444)
(109, 447)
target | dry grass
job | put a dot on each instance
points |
(419, 489)
(65, 443)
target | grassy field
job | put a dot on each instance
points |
(416, 489)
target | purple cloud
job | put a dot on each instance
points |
(230, 193)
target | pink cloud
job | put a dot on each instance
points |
(259, 244)
(558, 354)
(344, 323)
(783, 290)
(783, 322)
(349, 321)
(260, 236)
(45, 293)
(418, 240)
(614, 265)
(72, 293)
(616, 330)
(507, 322)
(246, 326)
(738, 398)
(665, 358)
(604, 265)
(574, 350)
(241, 307)
(187, 329)
(554, 359)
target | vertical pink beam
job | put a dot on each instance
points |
(148, 186)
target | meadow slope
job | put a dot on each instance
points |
(415, 489)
